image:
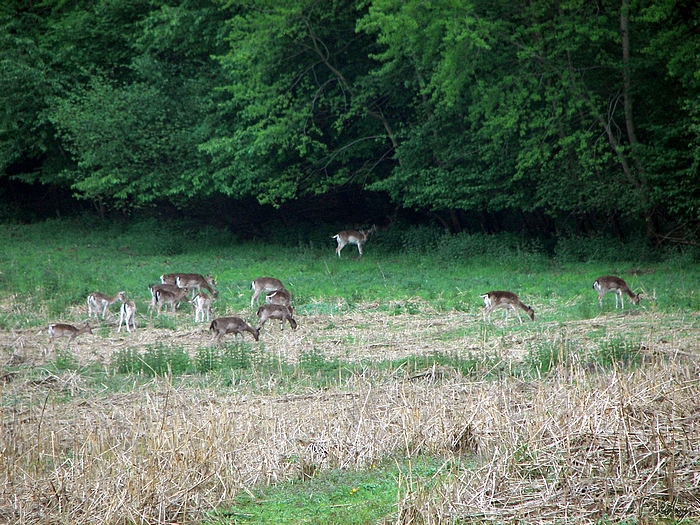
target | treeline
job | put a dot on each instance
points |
(561, 117)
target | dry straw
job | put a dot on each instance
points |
(576, 446)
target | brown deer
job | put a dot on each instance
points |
(97, 300)
(507, 300)
(265, 284)
(228, 325)
(282, 297)
(355, 237)
(174, 288)
(610, 283)
(276, 311)
(194, 281)
(57, 330)
(165, 298)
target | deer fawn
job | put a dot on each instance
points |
(128, 314)
(507, 300)
(276, 311)
(57, 330)
(202, 305)
(227, 325)
(265, 284)
(97, 300)
(610, 283)
(353, 237)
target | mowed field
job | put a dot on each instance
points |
(585, 414)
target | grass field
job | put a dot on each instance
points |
(393, 402)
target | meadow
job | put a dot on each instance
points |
(394, 401)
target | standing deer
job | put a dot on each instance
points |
(194, 281)
(353, 237)
(128, 314)
(276, 311)
(507, 300)
(610, 283)
(165, 298)
(265, 284)
(227, 325)
(97, 300)
(282, 297)
(154, 288)
(57, 330)
(202, 305)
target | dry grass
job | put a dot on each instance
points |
(575, 446)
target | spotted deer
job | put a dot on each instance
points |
(355, 237)
(165, 298)
(507, 300)
(57, 330)
(174, 288)
(228, 325)
(265, 285)
(276, 311)
(282, 297)
(610, 283)
(97, 300)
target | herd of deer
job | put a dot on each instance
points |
(175, 288)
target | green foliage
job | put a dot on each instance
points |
(156, 360)
(236, 356)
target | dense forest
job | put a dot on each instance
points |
(547, 116)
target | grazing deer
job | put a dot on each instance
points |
(57, 330)
(128, 314)
(610, 283)
(276, 311)
(282, 297)
(227, 325)
(507, 300)
(353, 237)
(97, 300)
(265, 284)
(174, 288)
(194, 281)
(165, 298)
(202, 305)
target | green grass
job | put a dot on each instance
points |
(336, 496)
(67, 261)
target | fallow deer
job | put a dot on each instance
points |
(165, 298)
(196, 282)
(282, 297)
(276, 311)
(202, 305)
(265, 284)
(97, 300)
(128, 314)
(610, 283)
(507, 300)
(174, 288)
(228, 325)
(355, 237)
(57, 330)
